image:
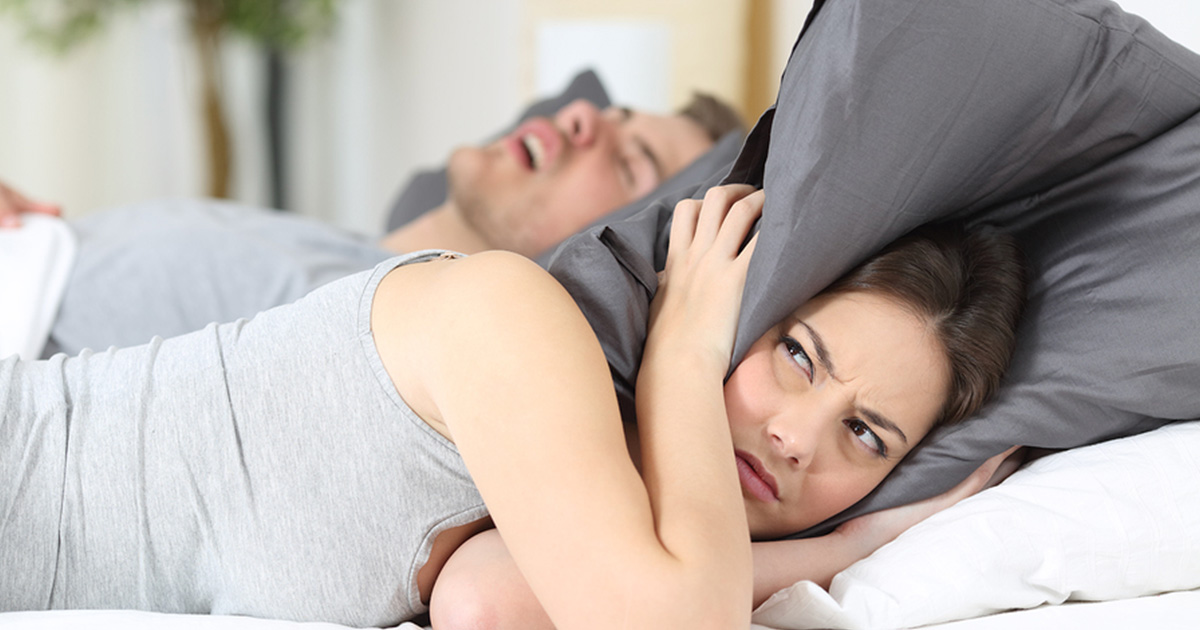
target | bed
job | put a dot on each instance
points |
(1172, 611)
(1098, 536)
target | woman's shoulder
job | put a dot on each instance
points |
(498, 273)
(487, 285)
(449, 322)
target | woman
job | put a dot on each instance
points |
(323, 460)
(924, 328)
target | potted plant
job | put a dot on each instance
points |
(278, 25)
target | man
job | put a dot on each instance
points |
(167, 268)
(511, 194)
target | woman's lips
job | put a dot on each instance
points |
(755, 478)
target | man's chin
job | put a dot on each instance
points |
(463, 161)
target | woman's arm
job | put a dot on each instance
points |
(686, 450)
(779, 564)
(491, 352)
(495, 354)
(482, 588)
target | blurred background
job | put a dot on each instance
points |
(355, 94)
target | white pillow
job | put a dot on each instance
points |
(35, 262)
(1109, 521)
(140, 620)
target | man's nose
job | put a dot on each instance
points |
(580, 122)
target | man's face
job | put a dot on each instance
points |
(550, 178)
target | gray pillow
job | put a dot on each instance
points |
(1069, 123)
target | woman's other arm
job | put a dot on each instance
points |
(481, 587)
(779, 564)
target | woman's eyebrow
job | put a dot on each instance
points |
(882, 422)
(822, 350)
(826, 361)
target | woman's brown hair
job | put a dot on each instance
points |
(969, 286)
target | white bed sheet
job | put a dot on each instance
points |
(1178, 610)
(139, 620)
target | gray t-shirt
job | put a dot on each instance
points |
(170, 267)
(264, 467)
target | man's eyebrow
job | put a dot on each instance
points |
(826, 362)
(647, 150)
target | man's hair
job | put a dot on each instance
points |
(713, 115)
(969, 286)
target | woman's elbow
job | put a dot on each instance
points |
(480, 588)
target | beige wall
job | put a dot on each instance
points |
(774, 27)
(395, 87)
(734, 49)
(707, 38)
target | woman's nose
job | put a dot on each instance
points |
(579, 122)
(796, 440)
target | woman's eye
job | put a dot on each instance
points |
(865, 435)
(798, 355)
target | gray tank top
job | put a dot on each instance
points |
(170, 267)
(264, 467)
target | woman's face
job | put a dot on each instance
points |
(826, 403)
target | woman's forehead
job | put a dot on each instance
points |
(891, 358)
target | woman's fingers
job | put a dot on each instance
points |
(683, 227)
(700, 289)
(748, 250)
(991, 472)
(1003, 465)
(718, 201)
(717, 225)
(723, 218)
(877, 528)
(739, 221)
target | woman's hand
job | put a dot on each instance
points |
(700, 290)
(779, 564)
(13, 204)
(865, 534)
